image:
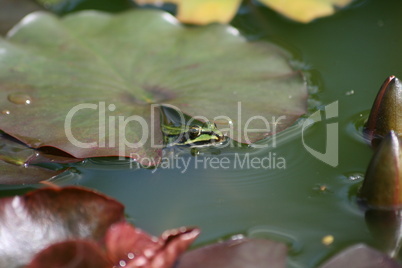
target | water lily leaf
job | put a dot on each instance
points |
(16, 159)
(126, 246)
(306, 10)
(40, 218)
(102, 73)
(361, 256)
(241, 253)
(74, 253)
(207, 11)
(75, 227)
(13, 174)
(138, 249)
(17, 162)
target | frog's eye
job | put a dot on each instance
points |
(194, 132)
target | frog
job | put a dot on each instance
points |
(203, 135)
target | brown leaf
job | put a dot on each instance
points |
(137, 249)
(32, 222)
(361, 256)
(73, 254)
(241, 253)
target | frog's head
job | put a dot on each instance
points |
(207, 134)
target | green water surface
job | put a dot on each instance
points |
(349, 56)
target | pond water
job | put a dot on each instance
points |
(348, 55)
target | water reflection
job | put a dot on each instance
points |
(277, 234)
(355, 126)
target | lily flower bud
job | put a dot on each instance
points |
(386, 113)
(382, 185)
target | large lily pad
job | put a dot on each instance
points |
(54, 72)
(75, 227)
(38, 219)
(126, 246)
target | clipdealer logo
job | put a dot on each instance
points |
(331, 155)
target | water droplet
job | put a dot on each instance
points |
(19, 98)
(130, 255)
(5, 112)
(237, 237)
(355, 177)
(269, 232)
(122, 263)
(351, 92)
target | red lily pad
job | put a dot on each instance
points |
(241, 253)
(126, 246)
(361, 256)
(135, 248)
(74, 254)
(32, 222)
(74, 227)
(86, 83)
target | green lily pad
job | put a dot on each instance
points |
(89, 84)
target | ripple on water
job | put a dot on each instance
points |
(355, 126)
(109, 163)
(69, 177)
(274, 233)
(348, 192)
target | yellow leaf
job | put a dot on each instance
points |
(201, 11)
(305, 10)
(207, 11)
